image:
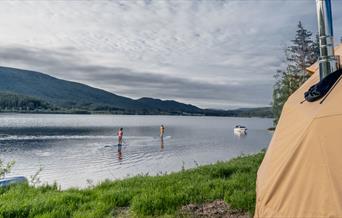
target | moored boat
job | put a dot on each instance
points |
(240, 129)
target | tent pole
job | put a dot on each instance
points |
(328, 63)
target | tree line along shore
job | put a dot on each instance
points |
(15, 103)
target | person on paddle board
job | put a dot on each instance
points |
(120, 136)
(162, 130)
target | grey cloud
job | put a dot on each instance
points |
(137, 84)
(210, 53)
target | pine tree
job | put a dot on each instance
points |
(302, 53)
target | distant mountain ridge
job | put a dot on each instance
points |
(25, 90)
(67, 94)
(57, 91)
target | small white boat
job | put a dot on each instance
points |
(240, 129)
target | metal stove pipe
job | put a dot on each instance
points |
(328, 63)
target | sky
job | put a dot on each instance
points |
(213, 54)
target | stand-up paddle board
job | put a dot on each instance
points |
(115, 145)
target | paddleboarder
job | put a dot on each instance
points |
(162, 130)
(120, 136)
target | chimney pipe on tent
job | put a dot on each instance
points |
(328, 63)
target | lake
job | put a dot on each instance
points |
(76, 149)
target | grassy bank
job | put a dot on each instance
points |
(233, 181)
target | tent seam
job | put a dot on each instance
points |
(327, 116)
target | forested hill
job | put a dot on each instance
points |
(30, 91)
(70, 95)
(59, 92)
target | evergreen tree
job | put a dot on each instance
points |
(303, 52)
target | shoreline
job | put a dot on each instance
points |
(129, 114)
(233, 181)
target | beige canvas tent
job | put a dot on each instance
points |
(301, 174)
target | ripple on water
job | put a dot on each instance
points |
(71, 149)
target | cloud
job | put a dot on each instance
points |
(211, 53)
(126, 81)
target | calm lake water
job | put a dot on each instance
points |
(74, 148)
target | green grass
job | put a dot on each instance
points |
(233, 181)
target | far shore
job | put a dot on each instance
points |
(111, 113)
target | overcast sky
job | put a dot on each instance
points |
(214, 54)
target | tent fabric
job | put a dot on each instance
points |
(301, 174)
(313, 68)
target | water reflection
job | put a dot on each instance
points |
(161, 143)
(74, 148)
(240, 134)
(119, 155)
